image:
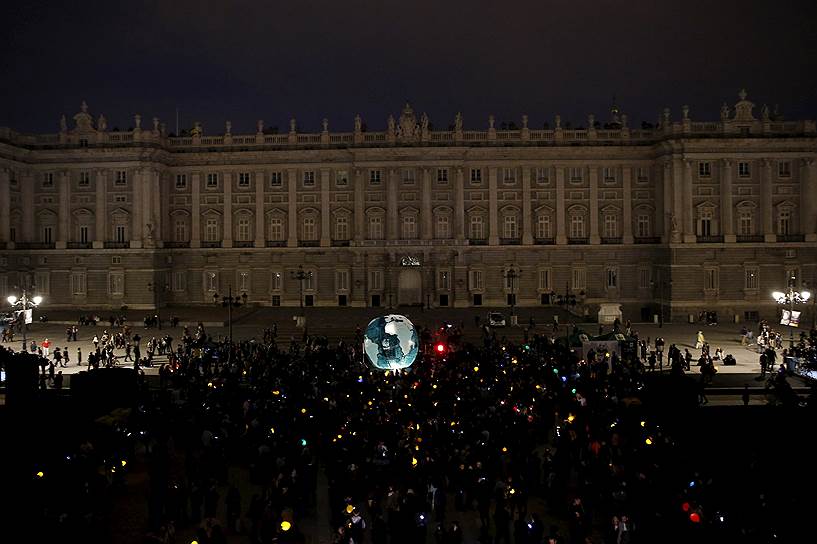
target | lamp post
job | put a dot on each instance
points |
(790, 298)
(230, 302)
(662, 285)
(564, 301)
(301, 275)
(25, 303)
(511, 275)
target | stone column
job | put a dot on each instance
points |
(727, 223)
(627, 200)
(360, 230)
(326, 232)
(808, 200)
(766, 203)
(137, 228)
(195, 210)
(594, 205)
(493, 216)
(158, 209)
(64, 221)
(260, 236)
(425, 214)
(689, 219)
(101, 210)
(459, 206)
(5, 205)
(147, 206)
(228, 210)
(292, 208)
(527, 235)
(392, 232)
(677, 199)
(27, 190)
(660, 199)
(561, 236)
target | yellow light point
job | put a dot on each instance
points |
(276, 392)
(453, 423)
(40, 474)
(414, 461)
(195, 542)
(538, 386)
(325, 399)
(570, 418)
(113, 469)
(244, 372)
(648, 441)
(405, 396)
(512, 491)
(124, 463)
(409, 405)
(272, 430)
(434, 386)
(643, 423)
(303, 410)
(418, 427)
(349, 508)
(416, 448)
(476, 369)
(387, 373)
(504, 449)
(285, 525)
(370, 403)
(209, 384)
(514, 361)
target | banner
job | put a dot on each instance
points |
(790, 318)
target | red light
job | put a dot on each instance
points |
(440, 348)
(685, 507)
(694, 517)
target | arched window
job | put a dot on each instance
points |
(577, 226)
(180, 229)
(784, 222)
(409, 227)
(476, 228)
(610, 225)
(510, 227)
(706, 221)
(643, 227)
(443, 226)
(342, 227)
(310, 231)
(376, 227)
(544, 227)
(276, 228)
(243, 229)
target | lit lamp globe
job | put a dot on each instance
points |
(37, 300)
(12, 299)
(390, 342)
(777, 295)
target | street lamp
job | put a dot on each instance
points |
(230, 302)
(662, 285)
(301, 275)
(25, 304)
(791, 297)
(511, 275)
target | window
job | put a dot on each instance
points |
(116, 283)
(705, 169)
(12, 234)
(792, 278)
(84, 179)
(211, 230)
(309, 232)
(276, 229)
(120, 233)
(711, 279)
(611, 278)
(642, 174)
(750, 279)
(276, 179)
(78, 286)
(83, 142)
(243, 230)
(179, 280)
(610, 226)
(181, 181)
(409, 227)
(341, 227)
(275, 281)
(510, 229)
(374, 177)
(121, 178)
(243, 281)
(180, 230)
(48, 179)
(476, 228)
(644, 278)
(544, 229)
(706, 218)
(47, 234)
(784, 169)
(309, 178)
(542, 175)
(211, 281)
(376, 227)
(476, 175)
(784, 222)
(443, 226)
(309, 281)
(743, 170)
(544, 279)
(745, 223)
(83, 234)
(609, 174)
(579, 277)
(408, 176)
(212, 180)
(508, 175)
(375, 280)
(444, 280)
(576, 174)
(116, 260)
(475, 280)
(577, 226)
(643, 225)
(341, 280)
(341, 178)
(42, 283)
(120, 198)
(244, 179)
(442, 175)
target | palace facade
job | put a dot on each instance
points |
(688, 216)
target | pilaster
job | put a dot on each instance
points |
(101, 211)
(137, 223)
(561, 236)
(27, 194)
(459, 205)
(527, 236)
(195, 210)
(228, 210)
(766, 203)
(594, 205)
(493, 216)
(392, 232)
(292, 208)
(260, 238)
(64, 221)
(426, 214)
(360, 233)
(326, 234)
(627, 201)
(808, 202)
(689, 220)
(727, 223)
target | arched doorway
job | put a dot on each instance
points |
(410, 288)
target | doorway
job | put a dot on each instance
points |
(410, 288)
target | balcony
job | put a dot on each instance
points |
(611, 240)
(309, 243)
(340, 243)
(35, 245)
(176, 245)
(210, 245)
(116, 245)
(79, 245)
(711, 239)
(544, 241)
(647, 240)
(243, 243)
(577, 241)
(791, 238)
(510, 241)
(749, 238)
(477, 241)
(276, 243)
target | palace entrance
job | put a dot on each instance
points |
(410, 288)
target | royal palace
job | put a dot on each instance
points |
(692, 215)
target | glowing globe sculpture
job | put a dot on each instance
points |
(390, 342)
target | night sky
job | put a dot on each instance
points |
(245, 60)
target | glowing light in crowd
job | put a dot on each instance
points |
(391, 342)
(694, 517)
(440, 348)
(648, 441)
(476, 369)
(414, 461)
(40, 474)
(285, 525)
